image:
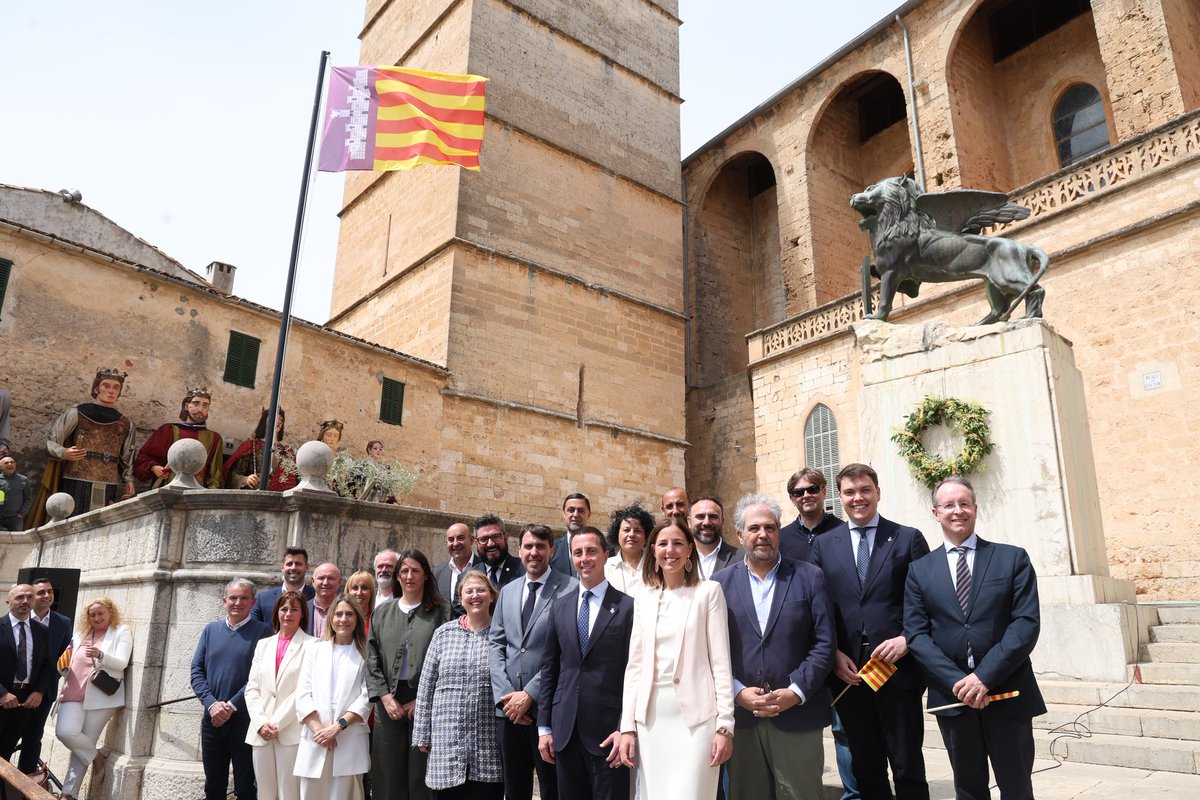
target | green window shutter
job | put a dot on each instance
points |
(241, 360)
(5, 271)
(391, 403)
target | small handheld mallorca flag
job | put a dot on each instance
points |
(876, 672)
(392, 118)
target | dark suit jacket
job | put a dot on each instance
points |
(878, 607)
(793, 538)
(264, 602)
(441, 576)
(561, 560)
(43, 674)
(510, 570)
(796, 648)
(727, 555)
(1002, 624)
(585, 687)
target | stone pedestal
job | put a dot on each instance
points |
(1038, 487)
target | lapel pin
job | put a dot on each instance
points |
(890, 538)
(612, 610)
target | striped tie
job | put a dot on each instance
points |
(962, 579)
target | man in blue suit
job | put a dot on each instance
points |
(582, 675)
(865, 561)
(971, 616)
(781, 645)
(295, 571)
(59, 627)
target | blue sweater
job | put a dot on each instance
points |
(222, 662)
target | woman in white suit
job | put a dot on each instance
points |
(102, 644)
(332, 706)
(274, 731)
(677, 707)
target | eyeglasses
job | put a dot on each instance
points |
(956, 506)
(495, 537)
(800, 491)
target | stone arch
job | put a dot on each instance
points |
(1183, 29)
(1000, 108)
(860, 136)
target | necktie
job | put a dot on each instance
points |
(962, 578)
(864, 555)
(585, 614)
(495, 574)
(527, 611)
(22, 673)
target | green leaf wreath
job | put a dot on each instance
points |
(969, 418)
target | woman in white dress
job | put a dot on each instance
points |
(627, 534)
(332, 706)
(677, 708)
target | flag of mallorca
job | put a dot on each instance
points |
(876, 672)
(388, 118)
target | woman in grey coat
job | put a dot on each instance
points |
(455, 718)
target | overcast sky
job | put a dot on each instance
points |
(186, 123)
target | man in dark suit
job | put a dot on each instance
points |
(579, 724)
(971, 617)
(577, 512)
(707, 521)
(27, 669)
(807, 490)
(781, 645)
(59, 627)
(866, 561)
(295, 571)
(491, 550)
(446, 576)
(520, 628)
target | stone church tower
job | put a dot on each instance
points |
(550, 284)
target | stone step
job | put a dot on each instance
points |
(1118, 695)
(1153, 723)
(1169, 672)
(1178, 652)
(1183, 632)
(1186, 614)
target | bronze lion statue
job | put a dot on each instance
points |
(934, 238)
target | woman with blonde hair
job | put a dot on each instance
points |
(677, 708)
(361, 588)
(332, 706)
(274, 732)
(94, 689)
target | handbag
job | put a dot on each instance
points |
(105, 682)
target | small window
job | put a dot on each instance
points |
(5, 271)
(241, 360)
(1016, 24)
(821, 452)
(391, 403)
(1080, 129)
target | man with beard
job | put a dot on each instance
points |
(520, 628)
(385, 576)
(491, 550)
(781, 645)
(707, 522)
(675, 503)
(295, 573)
(151, 464)
(461, 559)
(807, 490)
(576, 511)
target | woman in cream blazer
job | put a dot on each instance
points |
(274, 731)
(102, 644)
(677, 707)
(332, 707)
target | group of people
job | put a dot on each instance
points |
(41, 661)
(92, 455)
(656, 661)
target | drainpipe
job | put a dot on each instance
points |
(912, 93)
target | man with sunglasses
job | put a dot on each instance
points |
(807, 490)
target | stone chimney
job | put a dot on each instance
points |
(220, 275)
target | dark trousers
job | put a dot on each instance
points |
(973, 737)
(471, 790)
(397, 768)
(218, 748)
(31, 738)
(14, 723)
(885, 727)
(585, 776)
(519, 754)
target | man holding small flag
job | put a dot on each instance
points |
(971, 616)
(866, 560)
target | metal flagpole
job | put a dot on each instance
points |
(285, 322)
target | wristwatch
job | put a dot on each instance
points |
(725, 732)
(341, 721)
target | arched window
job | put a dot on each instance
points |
(1080, 129)
(821, 451)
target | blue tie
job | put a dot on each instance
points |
(864, 555)
(585, 615)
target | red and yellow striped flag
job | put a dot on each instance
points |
(391, 118)
(876, 672)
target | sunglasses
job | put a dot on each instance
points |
(800, 491)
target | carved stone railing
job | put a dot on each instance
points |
(819, 322)
(1136, 158)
